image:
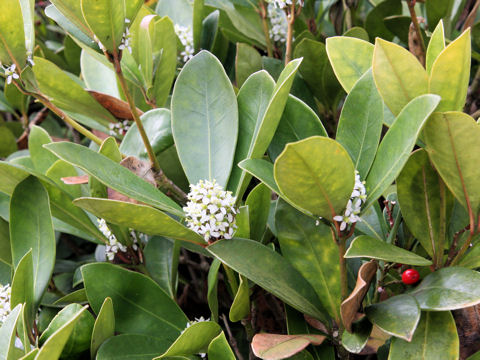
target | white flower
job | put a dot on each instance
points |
(10, 73)
(30, 58)
(113, 245)
(5, 294)
(354, 205)
(125, 44)
(211, 211)
(278, 23)
(280, 4)
(119, 128)
(185, 34)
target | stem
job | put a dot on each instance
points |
(264, 15)
(348, 15)
(437, 261)
(291, 22)
(464, 248)
(343, 268)
(413, 15)
(136, 116)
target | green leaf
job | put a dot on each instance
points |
(12, 35)
(448, 289)
(219, 349)
(374, 22)
(399, 76)
(258, 124)
(397, 316)
(360, 124)
(140, 217)
(28, 13)
(157, 125)
(69, 96)
(140, 305)
(395, 148)
(298, 122)
(9, 144)
(357, 340)
(113, 175)
(158, 255)
(317, 71)
(247, 62)
(435, 46)
(205, 119)
(435, 338)
(23, 289)
(258, 202)
(61, 169)
(198, 9)
(72, 12)
(240, 308)
(420, 192)
(104, 327)
(31, 228)
(369, 247)
(269, 270)
(212, 296)
(350, 59)
(8, 333)
(5, 249)
(316, 174)
(452, 145)
(53, 347)
(81, 335)
(106, 19)
(98, 76)
(131, 346)
(450, 74)
(41, 158)
(193, 340)
(181, 12)
(262, 170)
(312, 251)
(31, 355)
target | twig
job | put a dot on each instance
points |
(231, 338)
(291, 13)
(262, 11)
(413, 15)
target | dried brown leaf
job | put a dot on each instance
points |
(116, 107)
(275, 347)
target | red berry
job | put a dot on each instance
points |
(410, 276)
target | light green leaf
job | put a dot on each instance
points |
(399, 76)
(350, 59)
(269, 270)
(435, 46)
(435, 338)
(113, 175)
(450, 74)
(181, 11)
(28, 12)
(23, 289)
(140, 217)
(358, 338)
(12, 35)
(360, 124)
(104, 327)
(31, 228)
(372, 248)
(98, 76)
(448, 289)
(247, 62)
(41, 157)
(8, 333)
(316, 174)
(395, 148)
(205, 120)
(258, 202)
(262, 170)
(72, 12)
(219, 349)
(240, 308)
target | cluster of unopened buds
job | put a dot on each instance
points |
(113, 246)
(281, 4)
(5, 294)
(278, 23)
(119, 128)
(211, 211)
(11, 73)
(354, 204)
(185, 34)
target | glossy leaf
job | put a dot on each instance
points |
(219, 348)
(141, 347)
(12, 35)
(360, 124)
(374, 22)
(298, 122)
(316, 174)
(258, 202)
(356, 341)
(57, 85)
(72, 12)
(113, 175)
(140, 217)
(158, 255)
(31, 228)
(399, 76)
(435, 46)
(140, 305)
(274, 347)
(452, 143)
(205, 120)
(372, 248)
(212, 295)
(269, 270)
(435, 338)
(8, 333)
(448, 289)
(450, 74)
(193, 340)
(350, 59)
(312, 251)
(240, 308)
(262, 170)
(23, 289)
(397, 144)
(420, 192)
(104, 327)
(397, 316)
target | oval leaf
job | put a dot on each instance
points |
(275, 347)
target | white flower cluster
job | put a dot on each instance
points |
(5, 294)
(211, 211)
(354, 205)
(125, 44)
(278, 23)
(185, 34)
(10, 73)
(280, 4)
(119, 128)
(113, 246)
